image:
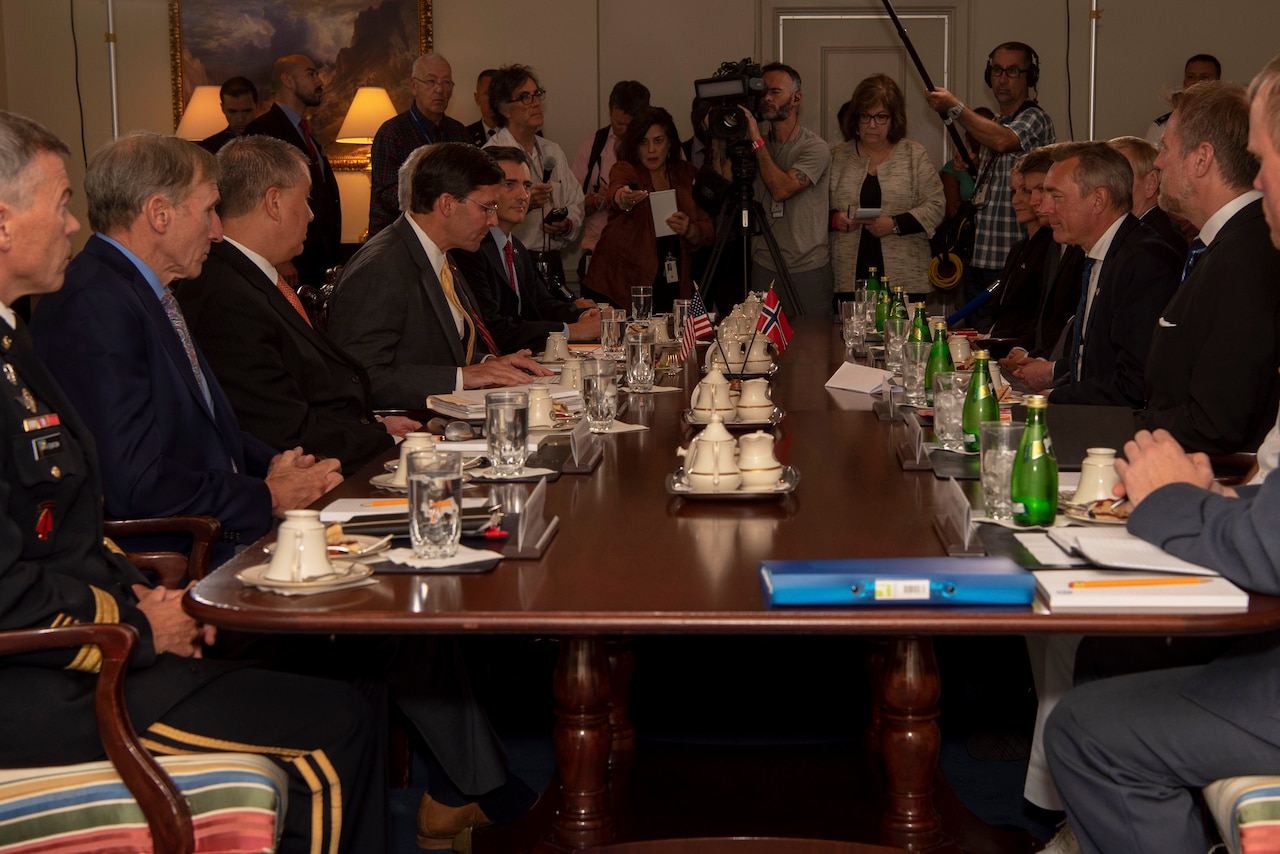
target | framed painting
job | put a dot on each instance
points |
(352, 42)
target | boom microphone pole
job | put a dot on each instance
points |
(924, 75)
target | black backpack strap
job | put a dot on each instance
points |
(593, 162)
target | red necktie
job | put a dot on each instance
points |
(292, 296)
(511, 269)
(316, 164)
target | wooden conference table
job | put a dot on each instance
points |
(630, 559)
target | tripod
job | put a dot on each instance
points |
(740, 207)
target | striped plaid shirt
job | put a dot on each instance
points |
(996, 226)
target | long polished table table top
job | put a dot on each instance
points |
(629, 558)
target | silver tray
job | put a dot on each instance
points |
(786, 485)
(772, 421)
(746, 375)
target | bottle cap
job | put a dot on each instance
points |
(940, 324)
(1036, 401)
(982, 354)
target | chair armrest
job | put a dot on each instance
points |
(167, 812)
(204, 531)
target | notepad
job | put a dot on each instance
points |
(1116, 548)
(1207, 595)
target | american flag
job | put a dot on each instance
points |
(773, 322)
(696, 325)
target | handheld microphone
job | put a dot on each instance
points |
(548, 167)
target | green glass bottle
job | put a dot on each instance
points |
(980, 403)
(920, 325)
(939, 359)
(882, 308)
(1034, 484)
(873, 280)
(899, 306)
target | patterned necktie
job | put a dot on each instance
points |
(511, 269)
(1077, 337)
(472, 323)
(292, 296)
(179, 323)
(1197, 247)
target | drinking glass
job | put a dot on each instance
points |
(915, 360)
(642, 302)
(612, 322)
(895, 335)
(506, 427)
(435, 502)
(949, 390)
(600, 393)
(999, 442)
(640, 359)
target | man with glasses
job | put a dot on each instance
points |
(556, 209)
(431, 84)
(1020, 125)
(404, 311)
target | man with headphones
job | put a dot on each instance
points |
(1013, 69)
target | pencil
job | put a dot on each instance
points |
(1140, 582)
(389, 502)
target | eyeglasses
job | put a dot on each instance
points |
(878, 119)
(435, 82)
(488, 209)
(1013, 72)
(527, 98)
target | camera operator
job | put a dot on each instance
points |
(791, 186)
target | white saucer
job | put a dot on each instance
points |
(361, 541)
(346, 574)
(387, 481)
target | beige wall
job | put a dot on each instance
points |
(580, 47)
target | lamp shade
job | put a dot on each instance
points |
(369, 109)
(203, 116)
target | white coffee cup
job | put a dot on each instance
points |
(557, 346)
(412, 442)
(1097, 476)
(301, 552)
(571, 374)
(541, 408)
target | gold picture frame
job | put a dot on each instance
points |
(211, 40)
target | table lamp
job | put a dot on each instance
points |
(369, 109)
(203, 116)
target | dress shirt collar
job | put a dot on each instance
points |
(147, 273)
(7, 315)
(500, 239)
(291, 116)
(434, 253)
(267, 268)
(1215, 223)
(1099, 249)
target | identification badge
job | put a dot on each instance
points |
(671, 270)
(777, 209)
(46, 446)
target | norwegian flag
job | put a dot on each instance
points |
(773, 322)
(696, 325)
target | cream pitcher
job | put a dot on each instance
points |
(758, 466)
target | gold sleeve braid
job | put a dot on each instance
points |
(89, 658)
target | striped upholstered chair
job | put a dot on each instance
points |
(218, 802)
(1247, 812)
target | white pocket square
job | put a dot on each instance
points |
(1167, 325)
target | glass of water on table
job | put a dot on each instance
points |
(999, 441)
(435, 502)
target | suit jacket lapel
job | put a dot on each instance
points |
(431, 289)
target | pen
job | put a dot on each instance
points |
(1140, 582)
(389, 502)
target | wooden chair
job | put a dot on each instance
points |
(171, 568)
(741, 845)
(1247, 813)
(68, 802)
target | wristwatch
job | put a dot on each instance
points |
(896, 229)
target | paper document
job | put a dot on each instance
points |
(1116, 548)
(853, 377)
(1101, 590)
(663, 205)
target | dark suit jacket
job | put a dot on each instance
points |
(1139, 275)
(213, 144)
(1212, 369)
(1058, 299)
(290, 385)
(323, 246)
(1023, 285)
(1158, 220)
(478, 132)
(515, 323)
(391, 314)
(109, 343)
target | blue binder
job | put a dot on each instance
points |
(897, 581)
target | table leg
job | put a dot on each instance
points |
(911, 744)
(621, 665)
(582, 742)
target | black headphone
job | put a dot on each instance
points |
(1033, 73)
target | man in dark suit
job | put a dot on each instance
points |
(485, 126)
(516, 305)
(1212, 371)
(289, 384)
(115, 338)
(1129, 275)
(55, 570)
(239, 99)
(1141, 155)
(407, 314)
(297, 87)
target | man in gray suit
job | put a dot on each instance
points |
(404, 310)
(1129, 753)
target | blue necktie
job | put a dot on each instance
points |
(1197, 247)
(1077, 337)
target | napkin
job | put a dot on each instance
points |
(486, 475)
(657, 389)
(624, 427)
(465, 556)
(853, 377)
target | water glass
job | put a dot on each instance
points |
(506, 427)
(949, 390)
(999, 442)
(895, 335)
(600, 393)
(435, 502)
(640, 359)
(612, 322)
(642, 302)
(915, 361)
(679, 311)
